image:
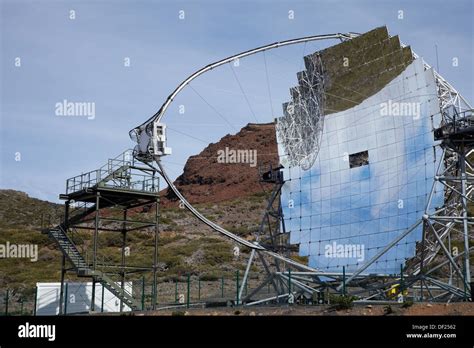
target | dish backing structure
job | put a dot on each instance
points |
(376, 176)
(372, 186)
(367, 174)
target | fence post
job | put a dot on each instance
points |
(65, 299)
(343, 280)
(222, 287)
(176, 291)
(151, 294)
(237, 288)
(102, 300)
(36, 300)
(6, 302)
(401, 279)
(143, 293)
(188, 296)
(199, 288)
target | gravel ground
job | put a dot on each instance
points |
(462, 308)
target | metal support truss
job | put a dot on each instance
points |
(440, 223)
(118, 186)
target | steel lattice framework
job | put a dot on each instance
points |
(303, 116)
(300, 129)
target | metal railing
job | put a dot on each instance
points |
(84, 181)
(116, 173)
(459, 119)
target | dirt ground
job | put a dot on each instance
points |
(463, 308)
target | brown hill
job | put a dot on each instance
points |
(17, 209)
(207, 178)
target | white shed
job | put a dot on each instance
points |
(79, 297)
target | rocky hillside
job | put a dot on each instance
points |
(21, 218)
(214, 176)
(186, 246)
(17, 209)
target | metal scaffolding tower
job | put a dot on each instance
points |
(123, 185)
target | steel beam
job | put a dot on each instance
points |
(380, 253)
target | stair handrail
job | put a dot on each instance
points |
(75, 237)
(70, 245)
(122, 291)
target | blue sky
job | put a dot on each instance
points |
(82, 60)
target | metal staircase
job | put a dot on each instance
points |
(119, 182)
(70, 250)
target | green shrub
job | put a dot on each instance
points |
(241, 231)
(388, 309)
(112, 239)
(209, 277)
(165, 220)
(341, 302)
